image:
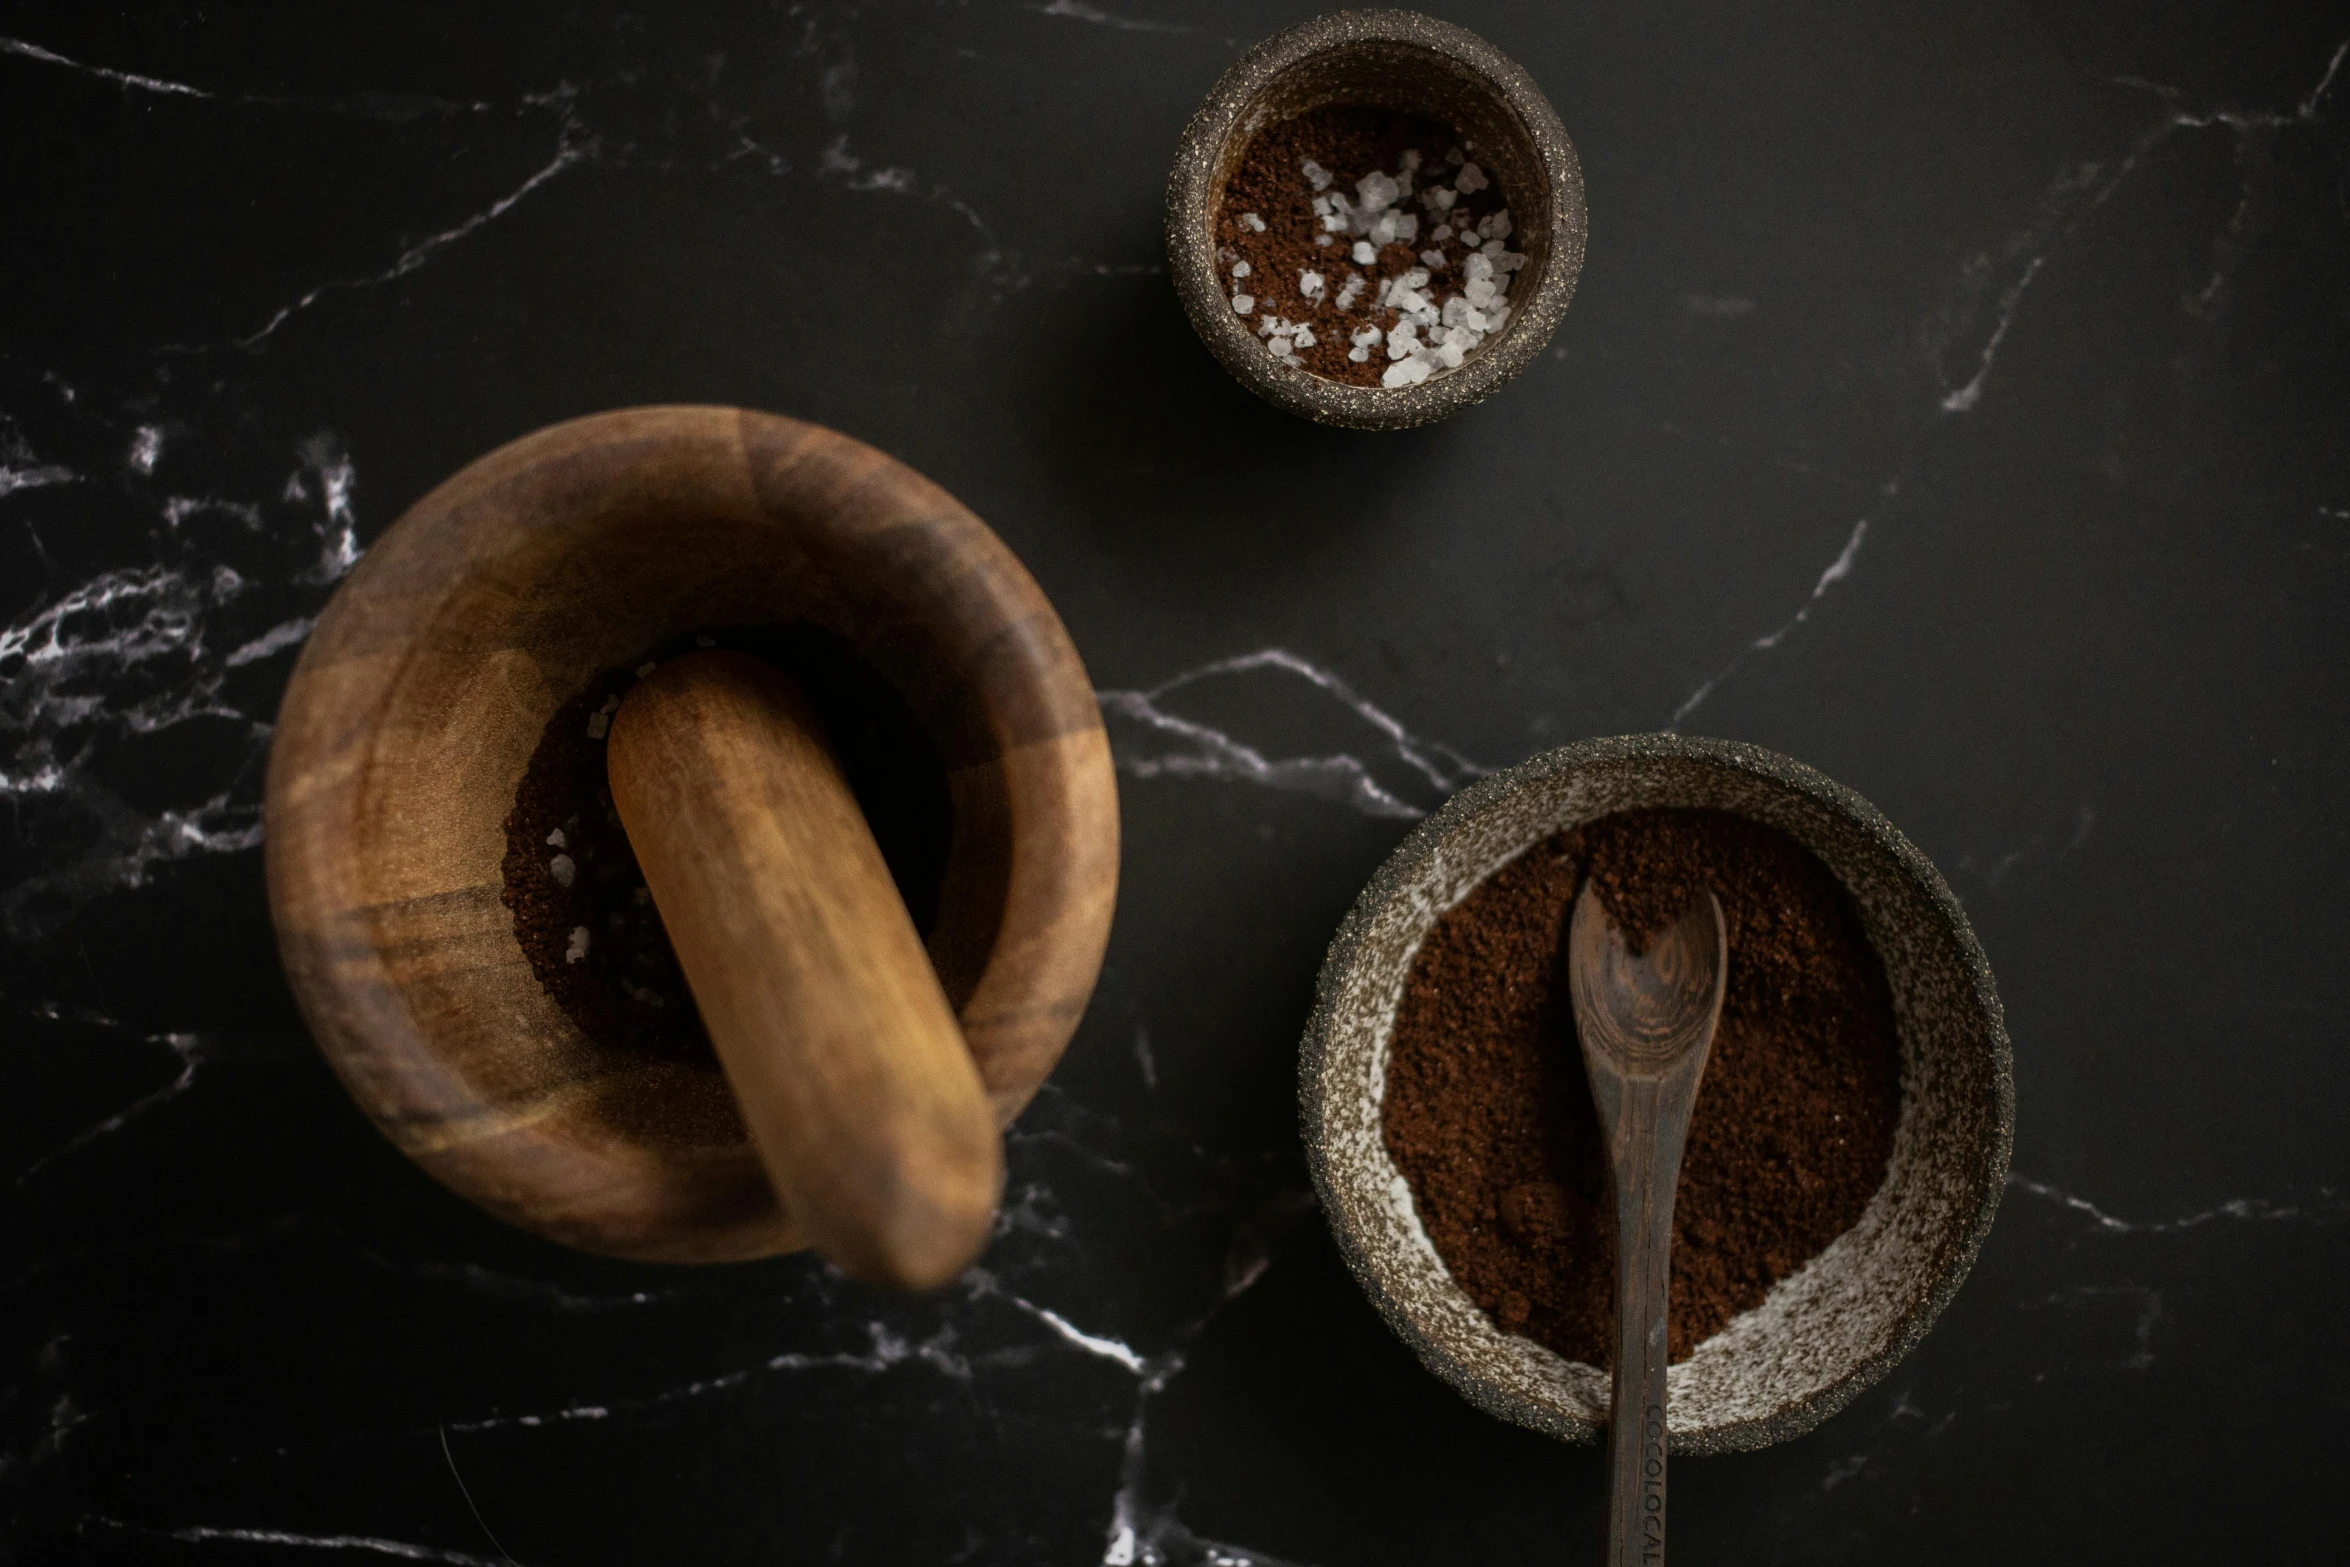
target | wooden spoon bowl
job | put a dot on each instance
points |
(418, 701)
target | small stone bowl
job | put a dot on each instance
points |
(1394, 60)
(1837, 1325)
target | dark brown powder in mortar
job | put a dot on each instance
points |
(626, 990)
(1351, 141)
(1489, 1115)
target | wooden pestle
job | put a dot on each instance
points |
(852, 1073)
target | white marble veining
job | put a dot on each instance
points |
(1079, 11)
(1150, 741)
(2078, 192)
(137, 83)
(2324, 1204)
(365, 1544)
(2146, 1311)
(139, 651)
(449, 1454)
(189, 1048)
(1836, 571)
(573, 146)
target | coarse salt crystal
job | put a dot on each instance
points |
(1317, 175)
(600, 721)
(1310, 284)
(1378, 191)
(1359, 355)
(1242, 304)
(1363, 253)
(1240, 269)
(1321, 239)
(564, 869)
(1470, 179)
(1416, 278)
(1368, 337)
(1454, 157)
(1253, 223)
(1433, 259)
(1441, 197)
(1411, 158)
(1451, 354)
(1351, 292)
(556, 840)
(1443, 232)
(1305, 337)
(1405, 372)
(578, 950)
(1481, 291)
(1282, 348)
(1477, 267)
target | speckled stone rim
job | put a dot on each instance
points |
(1843, 1320)
(1400, 60)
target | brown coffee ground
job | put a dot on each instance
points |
(1489, 1114)
(569, 872)
(1350, 141)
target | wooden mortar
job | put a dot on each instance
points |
(417, 703)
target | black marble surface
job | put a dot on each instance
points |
(1957, 399)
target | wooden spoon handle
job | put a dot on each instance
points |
(1648, 1130)
(852, 1074)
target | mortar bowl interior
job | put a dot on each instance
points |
(418, 701)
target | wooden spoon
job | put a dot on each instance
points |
(852, 1074)
(1646, 1023)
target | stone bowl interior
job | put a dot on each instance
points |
(418, 701)
(1394, 60)
(1838, 1324)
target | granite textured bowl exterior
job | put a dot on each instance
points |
(1397, 60)
(1837, 1325)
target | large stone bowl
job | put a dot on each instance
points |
(1834, 1327)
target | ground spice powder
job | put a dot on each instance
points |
(582, 913)
(1270, 240)
(1489, 1116)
